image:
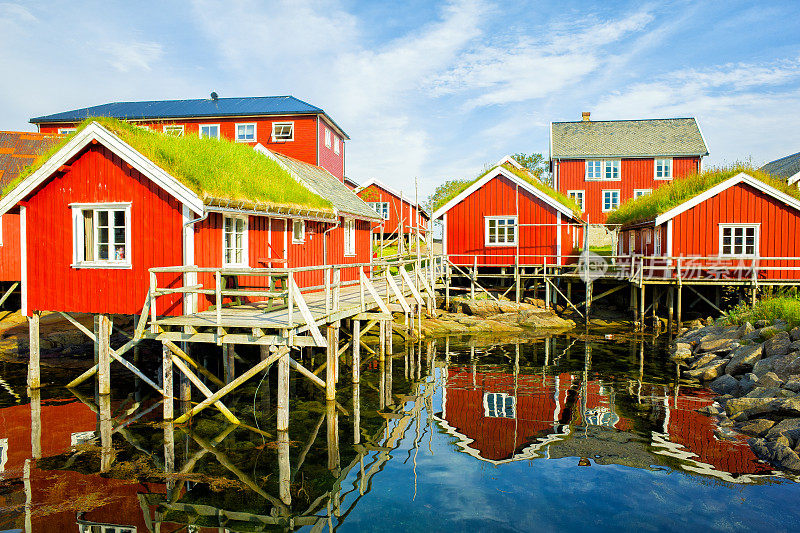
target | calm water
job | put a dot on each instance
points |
(572, 432)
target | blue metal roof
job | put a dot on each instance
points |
(205, 107)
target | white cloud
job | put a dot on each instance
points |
(9, 11)
(126, 56)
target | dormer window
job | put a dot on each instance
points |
(282, 131)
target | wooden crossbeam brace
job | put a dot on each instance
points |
(307, 373)
(305, 312)
(9, 292)
(490, 295)
(200, 368)
(411, 285)
(373, 292)
(547, 280)
(202, 388)
(396, 290)
(604, 294)
(706, 300)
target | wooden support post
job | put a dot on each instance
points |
(166, 380)
(473, 278)
(641, 306)
(447, 279)
(284, 466)
(547, 293)
(356, 351)
(283, 392)
(753, 295)
(569, 291)
(36, 423)
(382, 340)
(34, 372)
(330, 378)
(356, 413)
(670, 308)
(103, 354)
(679, 306)
(229, 361)
(332, 417)
(106, 431)
(389, 338)
(589, 288)
(185, 386)
(656, 297)
(517, 284)
(635, 304)
(336, 331)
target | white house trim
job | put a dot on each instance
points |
(390, 190)
(794, 179)
(189, 278)
(500, 171)
(96, 132)
(510, 160)
(23, 261)
(669, 239)
(558, 238)
(715, 190)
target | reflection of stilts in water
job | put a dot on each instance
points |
(641, 372)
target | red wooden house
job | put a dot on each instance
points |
(399, 213)
(508, 215)
(731, 229)
(283, 124)
(602, 164)
(17, 150)
(98, 214)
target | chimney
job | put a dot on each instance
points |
(214, 96)
(585, 116)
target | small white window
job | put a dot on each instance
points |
(298, 231)
(738, 240)
(234, 241)
(631, 242)
(336, 145)
(610, 200)
(282, 131)
(648, 237)
(209, 130)
(327, 138)
(663, 169)
(657, 232)
(498, 405)
(66, 131)
(501, 231)
(350, 237)
(381, 207)
(246, 133)
(577, 197)
(638, 193)
(173, 129)
(101, 235)
(602, 169)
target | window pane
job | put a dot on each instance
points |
(119, 252)
(102, 218)
(88, 235)
(119, 235)
(102, 235)
(102, 252)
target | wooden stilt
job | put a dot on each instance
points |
(589, 288)
(166, 381)
(517, 281)
(185, 387)
(330, 379)
(356, 351)
(36, 423)
(641, 307)
(332, 417)
(679, 306)
(473, 278)
(104, 354)
(356, 413)
(388, 389)
(229, 359)
(283, 392)
(336, 334)
(389, 338)
(105, 420)
(670, 308)
(284, 466)
(34, 372)
(382, 340)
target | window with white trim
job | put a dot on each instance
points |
(97, 527)
(610, 200)
(234, 241)
(66, 131)
(498, 405)
(282, 131)
(350, 237)
(173, 129)
(298, 231)
(631, 242)
(101, 235)
(638, 193)
(602, 169)
(577, 197)
(336, 148)
(648, 237)
(246, 133)
(210, 131)
(381, 207)
(327, 138)
(658, 241)
(738, 240)
(501, 231)
(663, 169)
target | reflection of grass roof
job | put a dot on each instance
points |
(521, 174)
(213, 169)
(666, 197)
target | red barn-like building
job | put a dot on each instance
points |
(602, 164)
(505, 214)
(283, 124)
(398, 212)
(730, 229)
(98, 215)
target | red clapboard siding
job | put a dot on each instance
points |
(399, 209)
(498, 197)
(96, 175)
(10, 251)
(328, 158)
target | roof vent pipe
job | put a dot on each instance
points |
(214, 96)
(585, 116)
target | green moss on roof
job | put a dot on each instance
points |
(521, 174)
(666, 197)
(214, 169)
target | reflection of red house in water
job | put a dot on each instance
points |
(500, 417)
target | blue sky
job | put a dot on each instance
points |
(427, 90)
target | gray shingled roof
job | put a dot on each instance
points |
(785, 167)
(329, 187)
(627, 138)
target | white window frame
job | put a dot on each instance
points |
(732, 254)
(66, 131)
(631, 242)
(236, 132)
(302, 238)
(200, 130)
(90, 527)
(327, 138)
(505, 241)
(1, 230)
(648, 237)
(336, 149)
(174, 129)
(603, 200)
(277, 139)
(657, 245)
(78, 234)
(638, 193)
(245, 262)
(501, 412)
(384, 208)
(667, 176)
(350, 237)
(604, 166)
(574, 194)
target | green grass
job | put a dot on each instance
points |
(546, 189)
(783, 307)
(213, 169)
(604, 251)
(666, 197)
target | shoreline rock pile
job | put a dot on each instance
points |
(756, 371)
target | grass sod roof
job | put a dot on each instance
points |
(521, 174)
(647, 208)
(216, 170)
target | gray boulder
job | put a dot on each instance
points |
(762, 323)
(745, 330)
(794, 346)
(787, 365)
(794, 334)
(721, 343)
(786, 407)
(743, 359)
(758, 427)
(725, 384)
(709, 371)
(704, 360)
(788, 427)
(777, 453)
(792, 384)
(744, 408)
(747, 383)
(777, 345)
(770, 380)
(764, 392)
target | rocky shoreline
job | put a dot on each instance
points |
(755, 368)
